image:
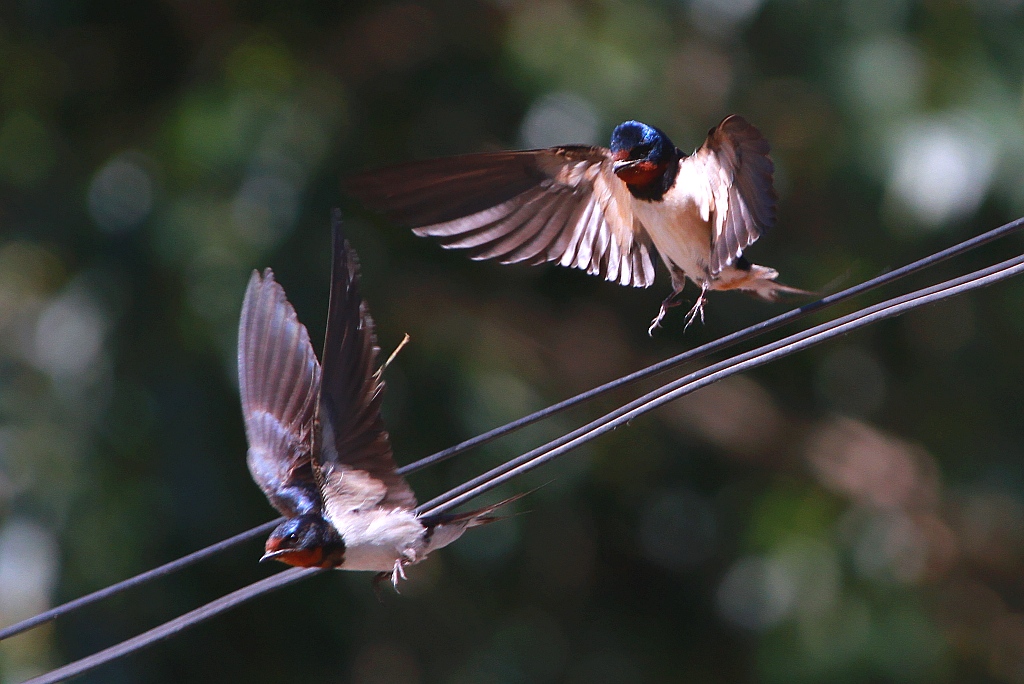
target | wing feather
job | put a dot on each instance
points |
(506, 247)
(562, 204)
(355, 461)
(492, 231)
(739, 171)
(544, 239)
(279, 379)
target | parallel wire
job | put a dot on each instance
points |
(752, 359)
(175, 626)
(142, 578)
(720, 344)
(690, 355)
(694, 381)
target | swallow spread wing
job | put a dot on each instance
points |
(279, 383)
(562, 204)
(355, 446)
(600, 209)
(736, 162)
(317, 444)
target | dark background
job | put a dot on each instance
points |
(853, 513)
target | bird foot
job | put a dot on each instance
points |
(669, 303)
(697, 310)
(397, 573)
(656, 323)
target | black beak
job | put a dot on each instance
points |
(270, 555)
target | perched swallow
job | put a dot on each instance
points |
(601, 210)
(317, 444)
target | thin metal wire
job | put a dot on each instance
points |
(690, 355)
(652, 400)
(175, 626)
(719, 344)
(694, 381)
(142, 578)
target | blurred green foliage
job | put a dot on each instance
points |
(855, 513)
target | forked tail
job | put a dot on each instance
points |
(474, 518)
(760, 280)
(444, 528)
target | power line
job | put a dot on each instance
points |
(690, 355)
(720, 344)
(694, 381)
(175, 626)
(142, 578)
(752, 359)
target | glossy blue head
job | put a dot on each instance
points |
(633, 140)
(640, 153)
(306, 541)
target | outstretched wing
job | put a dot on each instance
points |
(355, 461)
(739, 170)
(562, 204)
(279, 380)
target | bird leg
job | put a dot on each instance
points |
(698, 307)
(669, 302)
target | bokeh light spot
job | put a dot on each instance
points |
(940, 172)
(559, 119)
(69, 334)
(890, 546)
(28, 568)
(260, 63)
(886, 75)
(722, 17)
(265, 209)
(860, 462)
(121, 194)
(757, 593)
(802, 577)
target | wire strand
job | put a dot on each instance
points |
(491, 435)
(694, 381)
(719, 344)
(142, 578)
(670, 391)
(175, 626)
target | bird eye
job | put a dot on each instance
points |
(640, 151)
(291, 537)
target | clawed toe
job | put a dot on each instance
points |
(656, 323)
(694, 313)
(397, 573)
(697, 310)
(669, 302)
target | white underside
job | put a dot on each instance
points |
(680, 224)
(681, 227)
(375, 539)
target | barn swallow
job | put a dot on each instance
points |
(601, 210)
(317, 444)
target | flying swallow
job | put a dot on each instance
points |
(317, 444)
(601, 210)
